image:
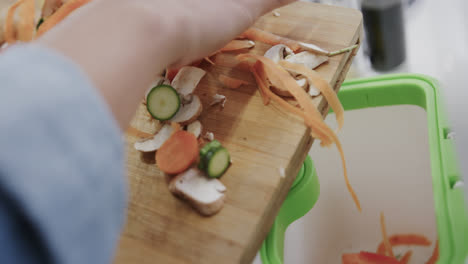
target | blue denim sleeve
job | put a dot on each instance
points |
(62, 182)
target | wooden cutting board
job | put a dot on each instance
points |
(261, 139)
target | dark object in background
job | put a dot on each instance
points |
(385, 34)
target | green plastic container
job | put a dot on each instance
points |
(449, 203)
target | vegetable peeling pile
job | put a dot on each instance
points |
(26, 20)
(385, 255)
(285, 75)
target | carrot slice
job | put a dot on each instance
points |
(238, 45)
(10, 31)
(279, 77)
(65, 10)
(406, 258)
(405, 240)
(137, 133)
(26, 23)
(230, 82)
(435, 254)
(270, 38)
(177, 153)
(324, 87)
(388, 247)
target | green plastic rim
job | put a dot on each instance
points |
(301, 198)
(449, 203)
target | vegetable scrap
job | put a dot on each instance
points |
(384, 252)
(268, 70)
(237, 44)
(64, 11)
(209, 136)
(230, 82)
(286, 70)
(218, 99)
(178, 153)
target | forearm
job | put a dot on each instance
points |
(114, 45)
(123, 45)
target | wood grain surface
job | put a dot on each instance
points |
(261, 139)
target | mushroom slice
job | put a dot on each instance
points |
(189, 112)
(313, 91)
(187, 80)
(278, 52)
(154, 143)
(308, 59)
(205, 194)
(219, 99)
(209, 136)
(195, 128)
(302, 82)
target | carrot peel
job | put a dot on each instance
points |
(65, 10)
(230, 82)
(279, 77)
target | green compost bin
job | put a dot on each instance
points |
(449, 203)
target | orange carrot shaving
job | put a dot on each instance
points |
(435, 254)
(388, 247)
(269, 38)
(65, 10)
(238, 45)
(406, 258)
(10, 31)
(324, 87)
(50, 6)
(137, 133)
(279, 77)
(405, 240)
(230, 82)
(262, 83)
(26, 25)
(178, 152)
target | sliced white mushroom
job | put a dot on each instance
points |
(189, 112)
(195, 128)
(218, 99)
(154, 143)
(308, 59)
(205, 194)
(209, 136)
(187, 80)
(278, 52)
(313, 91)
(302, 82)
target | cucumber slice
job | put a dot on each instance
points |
(163, 102)
(214, 160)
(219, 163)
